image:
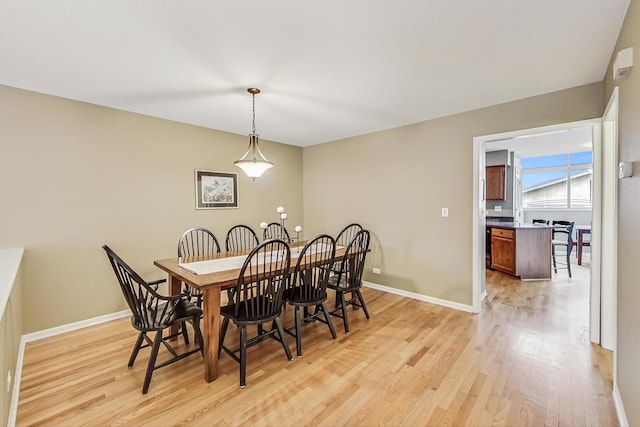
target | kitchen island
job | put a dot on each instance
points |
(521, 250)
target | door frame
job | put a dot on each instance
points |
(479, 213)
(608, 238)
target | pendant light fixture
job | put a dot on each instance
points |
(253, 163)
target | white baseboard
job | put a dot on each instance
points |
(46, 333)
(617, 402)
(420, 297)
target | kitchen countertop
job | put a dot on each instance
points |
(500, 224)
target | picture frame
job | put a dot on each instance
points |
(216, 190)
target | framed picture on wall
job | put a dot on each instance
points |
(216, 190)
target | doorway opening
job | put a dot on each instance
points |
(544, 141)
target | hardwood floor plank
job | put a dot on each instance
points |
(524, 360)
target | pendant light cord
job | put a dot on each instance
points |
(253, 129)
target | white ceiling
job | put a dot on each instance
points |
(328, 70)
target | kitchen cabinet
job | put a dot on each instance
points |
(503, 250)
(521, 250)
(496, 178)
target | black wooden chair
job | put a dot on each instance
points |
(276, 231)
(308, 287)
(241, 237)
(343, 239)
(152, 312)
(257, 299)
(193, 242)
(349, 278)
(561, 245)
(347, 233)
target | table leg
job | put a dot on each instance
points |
(579, 247)
(211, 332)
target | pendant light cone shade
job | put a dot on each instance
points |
(253, 163)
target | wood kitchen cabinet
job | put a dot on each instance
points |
(522, 250)
(496, 177)
(503, 250)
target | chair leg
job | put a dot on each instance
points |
(283, 338)
(345, 318)
(327, 317)
(195, 338)
(198, 334)
(223, 333)
(553, 257)
(364, 306)
(569, 264)
(152, 361)
(185, 334)
(243, 356)
(136, 349)
(298, 331)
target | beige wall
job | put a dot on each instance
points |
(76, 176)
(628, 300)
(395, 183)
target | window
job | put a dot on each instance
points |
(557, 181)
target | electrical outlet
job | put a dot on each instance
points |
(498, 208)
(8, 381)
(376, 270)
(445, 212)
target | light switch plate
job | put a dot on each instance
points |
(625, 169)
(445, 212)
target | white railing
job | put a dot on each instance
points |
(10, 260)
(10, 310)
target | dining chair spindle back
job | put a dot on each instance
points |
(561, 245)
(193, 242)
(241, 237)
(275, 230)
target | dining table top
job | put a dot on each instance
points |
(221, 278)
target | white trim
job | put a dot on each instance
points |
(420, 297)
(596, 238)
(608, 236)
(10, 260)
(46, 333)
(617, 403)
(558, 209)
(478, 219)
(15, 393)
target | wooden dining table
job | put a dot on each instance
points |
(212, 284)
(581, 232)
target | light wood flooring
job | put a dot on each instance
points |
(525, 360)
